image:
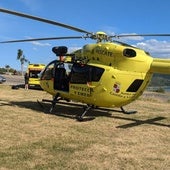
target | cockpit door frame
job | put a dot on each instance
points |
(61, 81)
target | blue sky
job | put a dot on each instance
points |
(110, 16)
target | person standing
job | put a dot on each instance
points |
(26, 78)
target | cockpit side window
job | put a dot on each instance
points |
(96, 73)
(81, 74)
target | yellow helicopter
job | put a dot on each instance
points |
(105, 74)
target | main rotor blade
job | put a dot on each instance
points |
(137, 35)
(42, 39)
(43, 20)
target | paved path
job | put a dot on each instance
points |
(13, 79)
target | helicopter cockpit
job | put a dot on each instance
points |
(63, 74)
(57, 72)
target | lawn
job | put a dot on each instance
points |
(32, 139)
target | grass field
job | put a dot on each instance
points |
(31, 139)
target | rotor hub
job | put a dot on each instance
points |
(100, 36)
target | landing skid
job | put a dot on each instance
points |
(127, 112)
(89, 107)
(86, 108)
(54, 101)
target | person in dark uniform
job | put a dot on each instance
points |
(26, 78)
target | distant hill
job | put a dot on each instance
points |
(160, 80)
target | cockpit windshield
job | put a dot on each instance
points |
(48, 73)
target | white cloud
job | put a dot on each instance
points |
(72, 49)
(37, 43)
(131, 36)
(128, 36)
(155, 47)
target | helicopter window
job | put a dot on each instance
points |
(82, 74)
(135, 85)
(48, 73)
(129, 52)
(97, 73)
(79, 74)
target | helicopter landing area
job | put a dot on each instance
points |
(32, 139)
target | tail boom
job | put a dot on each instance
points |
(161, 66)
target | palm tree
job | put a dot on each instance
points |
(22, 59)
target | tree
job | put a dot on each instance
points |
(7, 68)
(22, 59)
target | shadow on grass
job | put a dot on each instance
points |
(71, 112)
(136, 122)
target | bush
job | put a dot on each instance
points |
(160, 90)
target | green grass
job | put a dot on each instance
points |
(31, 139)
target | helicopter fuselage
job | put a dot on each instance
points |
(104, 74)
